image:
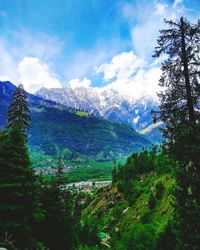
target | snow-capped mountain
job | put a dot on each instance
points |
(108, 103)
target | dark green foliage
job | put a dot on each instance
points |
(139, 164)
(18, 189)
(89, 231)
(179, 111)
(159, 190)
(136, 210)
(167, 239)
(59, 178)
(139, 237)
(152, 201)
(20, 207)
(118, 210)
(18, 113)
(146, 218)
(24, 221)
(59, 229)
(179, 42)
(70, 132)
(164, 164)
(114, 172)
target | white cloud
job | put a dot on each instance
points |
(24, 60)
(34, 74)
(144, 83)
(74, 83)
(133, 77)
(160, 9)
(177, 2)
(7, 63)
(121, 66)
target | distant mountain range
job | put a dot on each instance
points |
(112, 105)
(56, 128)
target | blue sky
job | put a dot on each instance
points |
(96, 43)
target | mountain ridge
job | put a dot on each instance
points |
(56, 128)
(109, 103)
(112, 105)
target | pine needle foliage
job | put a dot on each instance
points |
(19, 113)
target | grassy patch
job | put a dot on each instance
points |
(82, 113)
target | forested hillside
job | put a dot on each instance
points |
(56, 129)
(136, 212)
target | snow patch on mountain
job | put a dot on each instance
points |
(136, 119)
(107, 102)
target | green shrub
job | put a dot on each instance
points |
(140, 237)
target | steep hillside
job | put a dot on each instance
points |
(55, 128)
(135, 211)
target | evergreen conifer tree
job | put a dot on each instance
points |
(180, 75)
(19, 113)
(59, 177)
(19, 206)
(180, 43)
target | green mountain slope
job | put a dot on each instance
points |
(56, 129)
(135, 211)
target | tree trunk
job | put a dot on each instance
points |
(186, 75)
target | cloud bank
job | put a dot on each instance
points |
(74, 83)
(131, 75)
(33, 74)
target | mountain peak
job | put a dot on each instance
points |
(6, 88)
(108, 102)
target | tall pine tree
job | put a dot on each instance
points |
(19, 207)
(19, 113)
(179, 103)
(180, 74)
